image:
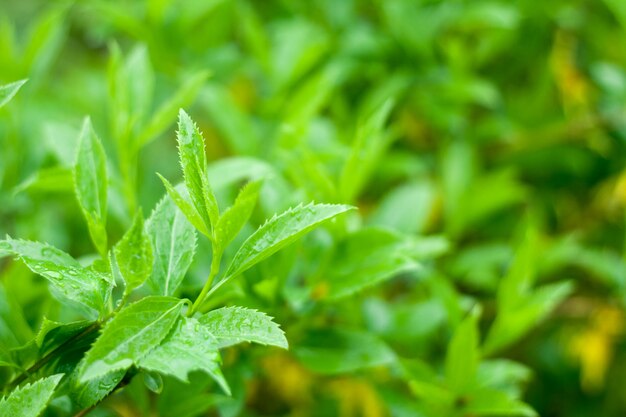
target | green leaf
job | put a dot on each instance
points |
(52, 334)
(90, 182)
(30, 400)
(234, 218)
(67, 277)
(133, 255)
(166, 113)
(8, 91)
(512, 324)
(489, 402)
(278, 232)
(193, 162)
(233, 325)
(463, 356)
(369, 144)
(335, 351)
(88, 393)
(130, 335)
(189, 347)
(366, 258)
(185, 206)
(174, 243)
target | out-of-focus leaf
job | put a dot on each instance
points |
(366, 258)
(8, 91)
(166, 114)
(463, 356)
(334, 351)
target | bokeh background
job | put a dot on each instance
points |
(501, 150)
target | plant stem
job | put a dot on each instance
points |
(215, 268)
(43, 361)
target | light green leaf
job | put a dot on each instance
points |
(55, 179)
(189, 347)
(8, 91)
(130, 335)
(193, 162)
(133, 255)
(185, 206)
(30, 400)
(489, 402)
(233, 325)
(463, 356)
(67, 277)
(278, 232)
(366, 258)
(368, 146)
(166, 114)
(512, 324)
(234, 218)
(174, 244)
(90, 182)
(335, 351)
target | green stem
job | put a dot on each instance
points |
(50, 356)
(215, 268)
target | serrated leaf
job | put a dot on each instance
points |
(8, 91)
(30, 400)
(233, 325)
(234, 218)
(278, 232)
(67, 277)
(189, 347)
(90, 183)
(133, 255)
(174, 243)
(130, 335)
(185, 206)
(88, 393)
(193, 162)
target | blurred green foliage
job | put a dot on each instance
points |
(483, 142)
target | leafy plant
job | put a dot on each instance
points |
(158, 334)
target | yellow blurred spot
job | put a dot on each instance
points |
(572, 85)
(356, 398)
(320, 291)
(594, 346)
(288, 379)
